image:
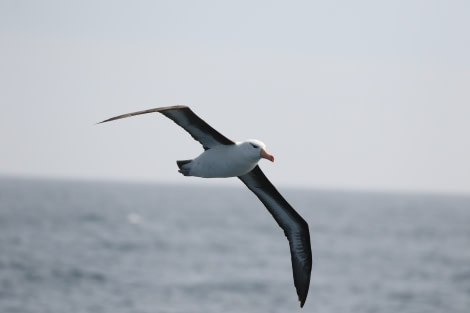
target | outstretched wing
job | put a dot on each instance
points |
(294, 226)
(187, 119)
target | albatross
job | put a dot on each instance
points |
(222, 158)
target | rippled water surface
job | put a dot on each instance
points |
(70, 246)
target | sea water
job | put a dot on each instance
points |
(78, 246)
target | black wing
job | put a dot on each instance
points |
(294, 226)
(193, 124)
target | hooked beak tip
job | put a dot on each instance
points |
(267, 156)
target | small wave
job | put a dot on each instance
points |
(75, 274)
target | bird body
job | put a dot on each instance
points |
(225, 160)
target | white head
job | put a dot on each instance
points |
(257, 148)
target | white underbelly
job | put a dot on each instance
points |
(223, 162)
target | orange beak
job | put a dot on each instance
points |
(266, 155)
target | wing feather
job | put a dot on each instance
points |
(189, 121)
(294, 226)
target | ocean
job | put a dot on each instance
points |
(84, 246)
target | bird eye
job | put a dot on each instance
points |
(254, 146)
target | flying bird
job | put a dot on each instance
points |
(223, 157)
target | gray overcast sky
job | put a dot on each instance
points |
(362, 95)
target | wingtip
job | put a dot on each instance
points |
(302, 294)
(113, 118)
(110, 119)
(302, 302)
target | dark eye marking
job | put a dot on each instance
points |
(254, 146)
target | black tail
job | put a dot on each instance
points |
(184, 166)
